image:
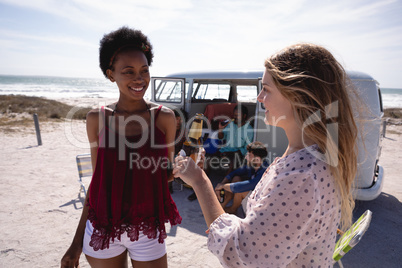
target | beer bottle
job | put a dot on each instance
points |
(194, 140)
(222, 196)
(193, 143)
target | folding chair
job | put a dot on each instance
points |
(351, 237)
(84, 166)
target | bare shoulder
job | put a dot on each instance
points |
(96, 118)
(166, 119)
(165, 112)
(94, 114)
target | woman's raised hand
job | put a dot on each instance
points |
(187, 170)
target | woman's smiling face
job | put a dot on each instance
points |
(131, 73)
(278, 110)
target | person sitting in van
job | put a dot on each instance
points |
(236, 135)
(241, 181)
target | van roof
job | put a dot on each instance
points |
(247, 74)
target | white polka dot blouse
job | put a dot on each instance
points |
(291, 219)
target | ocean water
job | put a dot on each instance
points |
(63, 87)
(391, 97)
(57, 87)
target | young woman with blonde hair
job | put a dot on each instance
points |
(294, 212)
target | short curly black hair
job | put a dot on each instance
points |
(122, 38)
(258, 149)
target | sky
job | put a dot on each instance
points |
(61, 37)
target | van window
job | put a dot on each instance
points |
(247, 93)
(168, 91)
(204, 91)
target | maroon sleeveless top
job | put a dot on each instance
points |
(129, 189)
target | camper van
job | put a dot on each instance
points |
(215, 94)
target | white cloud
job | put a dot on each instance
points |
(210, 34)
(56, 38)
(104, 14)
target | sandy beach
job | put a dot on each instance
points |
(40, 203)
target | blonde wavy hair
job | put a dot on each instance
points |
(321, 94)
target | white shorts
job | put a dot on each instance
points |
(144, 249)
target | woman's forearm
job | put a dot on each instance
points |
(206, 196)
(79, 234)
(189, 172)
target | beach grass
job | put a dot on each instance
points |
(393, 113)
(44, 108)
(18, 110)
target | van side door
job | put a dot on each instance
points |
(168, 91)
